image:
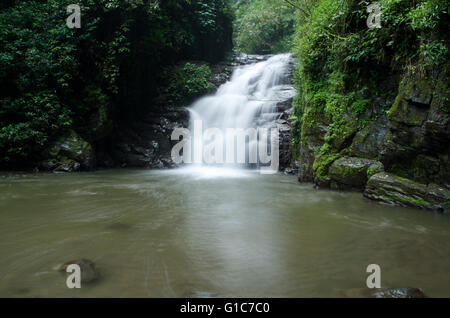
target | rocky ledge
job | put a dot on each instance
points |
(397, 151)
(392, 189)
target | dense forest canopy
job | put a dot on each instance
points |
(53, 78)
(264, 26)
(128, 52)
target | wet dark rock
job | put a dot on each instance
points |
(49, 164)
(67, 165)
(392, 189)
(368, 141)
(402, 292)
(87, 267)
(406, 292)
(69, 154)
(309, 146)
(119, 226)
(244, 59)
(322, 182)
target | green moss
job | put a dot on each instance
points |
(374, 169)
(324, 160)
(188, 82)
(410, 201)
(394, 110)
(360, 106)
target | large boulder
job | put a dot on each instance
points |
(351, 172)
(392, 189)
(68, 154)
(76, 148)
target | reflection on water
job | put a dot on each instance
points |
(179, 233)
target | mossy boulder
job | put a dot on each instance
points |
(374, 168)
(392, 189)
(69, 153)
(75, 148)
(352, 171)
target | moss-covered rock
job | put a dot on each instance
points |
(75, 148)
(351, 171)
(69, 153)
(392, 189)
(368, 141)
(374, 168)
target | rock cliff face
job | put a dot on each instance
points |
(400, 156)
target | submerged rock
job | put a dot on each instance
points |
(119, 226)
(392, 189)
(77, 149)
(88, 271)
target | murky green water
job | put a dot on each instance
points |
(180, 234)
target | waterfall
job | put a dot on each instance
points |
(247, 100)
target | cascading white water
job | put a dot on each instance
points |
(249, 93)
(247, 100)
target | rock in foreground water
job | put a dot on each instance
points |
(406, 292)
(402, 292)
(87, 267)
(392, 189)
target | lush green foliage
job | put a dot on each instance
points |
(53, 77)
(188, 82)
(264, 26)
(345, 68)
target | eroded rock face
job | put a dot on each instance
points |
(392, 189)
(417, 143)
(368, 141)
(408, 136)
(314, 137)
